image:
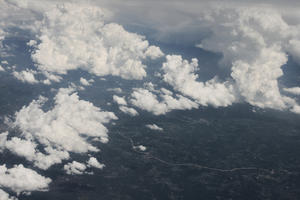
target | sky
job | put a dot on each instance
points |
(255, 40)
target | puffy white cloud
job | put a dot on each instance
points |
(154, 52)
(20, 179)
(52, 156)
(182, 76)
(80, 168)
(146, 100)
(51, 77)
(129, 111)
(75, 36)
(20, 147)
(254, 42)
(67, 127)
(4, 62)
(5, 196)
(1, 69)
(293, 90)
(93, 162)
(296, 109)
(119, 100)
(293, 48)
(141, 147)
(3, 139)
(116, 90)
(84, 82)
(154, 127)
(26, 76)
(257, 83)
(75, 168)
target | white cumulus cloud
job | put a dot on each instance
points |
(147, 100)
(75, 168)
(119, 100)
(20, 179)
(26, 76)
(255, 43)
(130, 111)
(181, 75)
(93, 162)
(75, 36)
(293, 90)
(1, 69)
(154, 127)
(67, 127)
(84, 82)
(5, 196)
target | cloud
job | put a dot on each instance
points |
(174, 21)
(1, 69)
(141, 147)
(75, 168)
(75, 36)
(130, 111)
(26, 76)
(28, 149)
(293, 90)
(80, 168)
(3, 139)
(123, 106)
(119, 100)
(20, 179)
(293, 48)
(20, 147)
(154, 127)
(85, 82)
(181, 74)
(147, 100)
(93, 162)
(5, 196)
(254, 42)
(116, 90)
(67, 127)
(51, 77)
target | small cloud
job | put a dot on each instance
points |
(4, 62)
(75, 168)
(93, 162)
(140, 147)
(26, 76)
(130, 111)
(293, 90)
(85, 82)
(116, 90)
(154, 127)
(119, 100)
(147, 100)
